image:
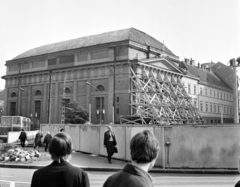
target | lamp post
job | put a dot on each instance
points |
(235, 91)
(100, 109)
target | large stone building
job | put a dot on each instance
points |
(96, 72)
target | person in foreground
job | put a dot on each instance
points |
(144, 149)
(109, 142)
(60, 173)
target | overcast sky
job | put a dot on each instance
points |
(204, 30)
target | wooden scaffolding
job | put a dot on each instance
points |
(160, 100)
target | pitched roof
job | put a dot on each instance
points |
(206, 77)
(225, 73)
(130, 34)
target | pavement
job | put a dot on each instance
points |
(91, 162)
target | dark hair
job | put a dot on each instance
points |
(60, 145)
(144, 147)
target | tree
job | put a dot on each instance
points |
(75, 114)
(1, 110)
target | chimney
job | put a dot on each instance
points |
(198, 65)
(193, 62)
(186, 61)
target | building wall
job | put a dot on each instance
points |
(95, 66)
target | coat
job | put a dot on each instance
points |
(129, 176)
(60, 175)
(107, 138)
(38, 141)
(23, 136)
(47, 139)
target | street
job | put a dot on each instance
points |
(22, 178)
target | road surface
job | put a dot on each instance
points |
(22, 178)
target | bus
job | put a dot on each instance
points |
(13, 123)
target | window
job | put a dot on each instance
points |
(195, 102)
(214, 108)
(227, 96)
(195, 90)
(52, 62)
(67, 90)
(230, 97)
(14, 94)
(66, 59)
(38, 108)
(100, 88)
(224, 96)
(224, 109)
(13, 108)
(213, 93)
(65, 101)
(218, 109)
(206, 91)
(201, 91)
(217, 94)
(221, 95)
(230, 110)
(118, 99)
(100, 107)
(210, 93)
(189, 88)
(211, 108)
(38, 92)
(201, 106)
(206, 107)
(117, 110)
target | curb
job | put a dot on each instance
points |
(187, 171)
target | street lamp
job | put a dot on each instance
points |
(100, 109)
(235, 91)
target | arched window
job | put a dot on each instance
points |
(100, 88)
(67, 90)
(14, 94)
(38, 92)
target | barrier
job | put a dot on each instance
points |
(182, 146)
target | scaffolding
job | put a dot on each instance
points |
(159, 100)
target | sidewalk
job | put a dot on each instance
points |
(90, 162)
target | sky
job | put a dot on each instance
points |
(204, 30)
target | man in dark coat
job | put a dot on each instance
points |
(38, 141)
(23, 138)
(60, 173)
(109, 142)
(144, 151)
(47, 140)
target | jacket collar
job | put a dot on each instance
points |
(137, 171)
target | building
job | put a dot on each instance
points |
(214, 91)
(101, 72)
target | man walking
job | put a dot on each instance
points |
(23, 138)
(144, 151)
(109, 142)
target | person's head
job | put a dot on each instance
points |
(22, 129)
(109, 127)
(144, 148)
(48, 132)
(60, 146)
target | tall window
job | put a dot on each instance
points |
(214, 108)
(195, 89)
(201, 106)
(189, 88)
(218, 109)
(100, 107)
(221, 95)
(227, 96)
(224, 96)
(38, 108)
(217, 94)
(213, 93)
(224, 109)
(206, 107)
(13, 108)
(201, 91)
(211, 108)
(205, 91)
(210, 93)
